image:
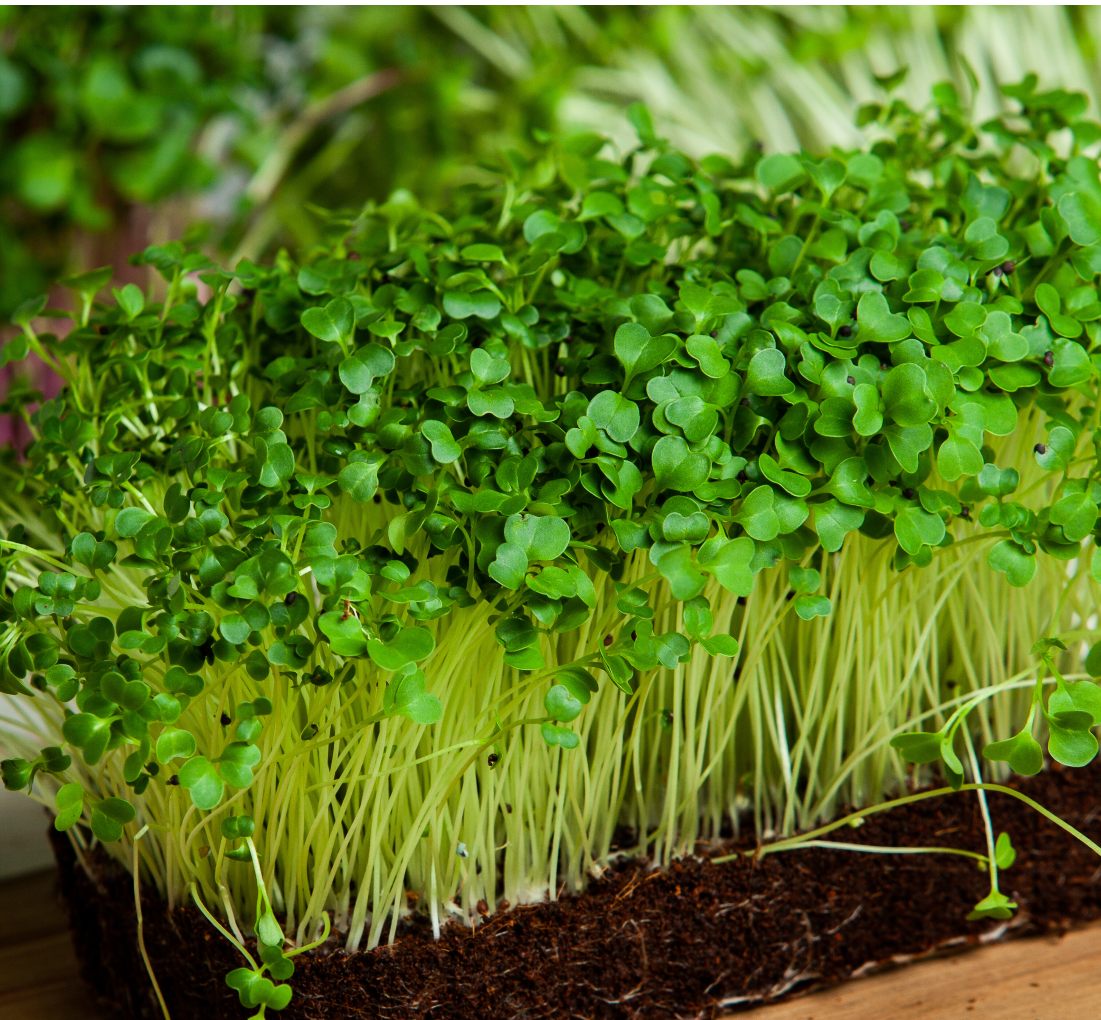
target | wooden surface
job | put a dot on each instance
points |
(1028, 979)
(38, 972)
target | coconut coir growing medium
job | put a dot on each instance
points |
(693, 940)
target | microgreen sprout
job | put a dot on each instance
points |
(635, 491)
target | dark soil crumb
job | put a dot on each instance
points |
(690, 941)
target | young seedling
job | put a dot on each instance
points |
(718, 480)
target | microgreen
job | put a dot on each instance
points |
(733, 471)
(136, 91)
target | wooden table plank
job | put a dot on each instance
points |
(39, 979)
(1045, 978)
(29, 909)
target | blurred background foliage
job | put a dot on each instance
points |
(238, 126)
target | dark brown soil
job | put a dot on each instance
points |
(689, 941)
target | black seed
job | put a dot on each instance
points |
(1040, 448)
(225, 720)
(965, 512)
(376, 498)
(607, 640)
(291, 599)
(1049, 358)
(1008, 266)
(493, 759)
(851, 380)
(173, 780)
(845, 330)
(908, 493)
(997, 271)
(789, 596)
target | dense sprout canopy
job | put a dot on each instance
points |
(584, 362)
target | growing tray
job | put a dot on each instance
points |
(697, 939)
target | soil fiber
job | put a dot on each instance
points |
(694, 940)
